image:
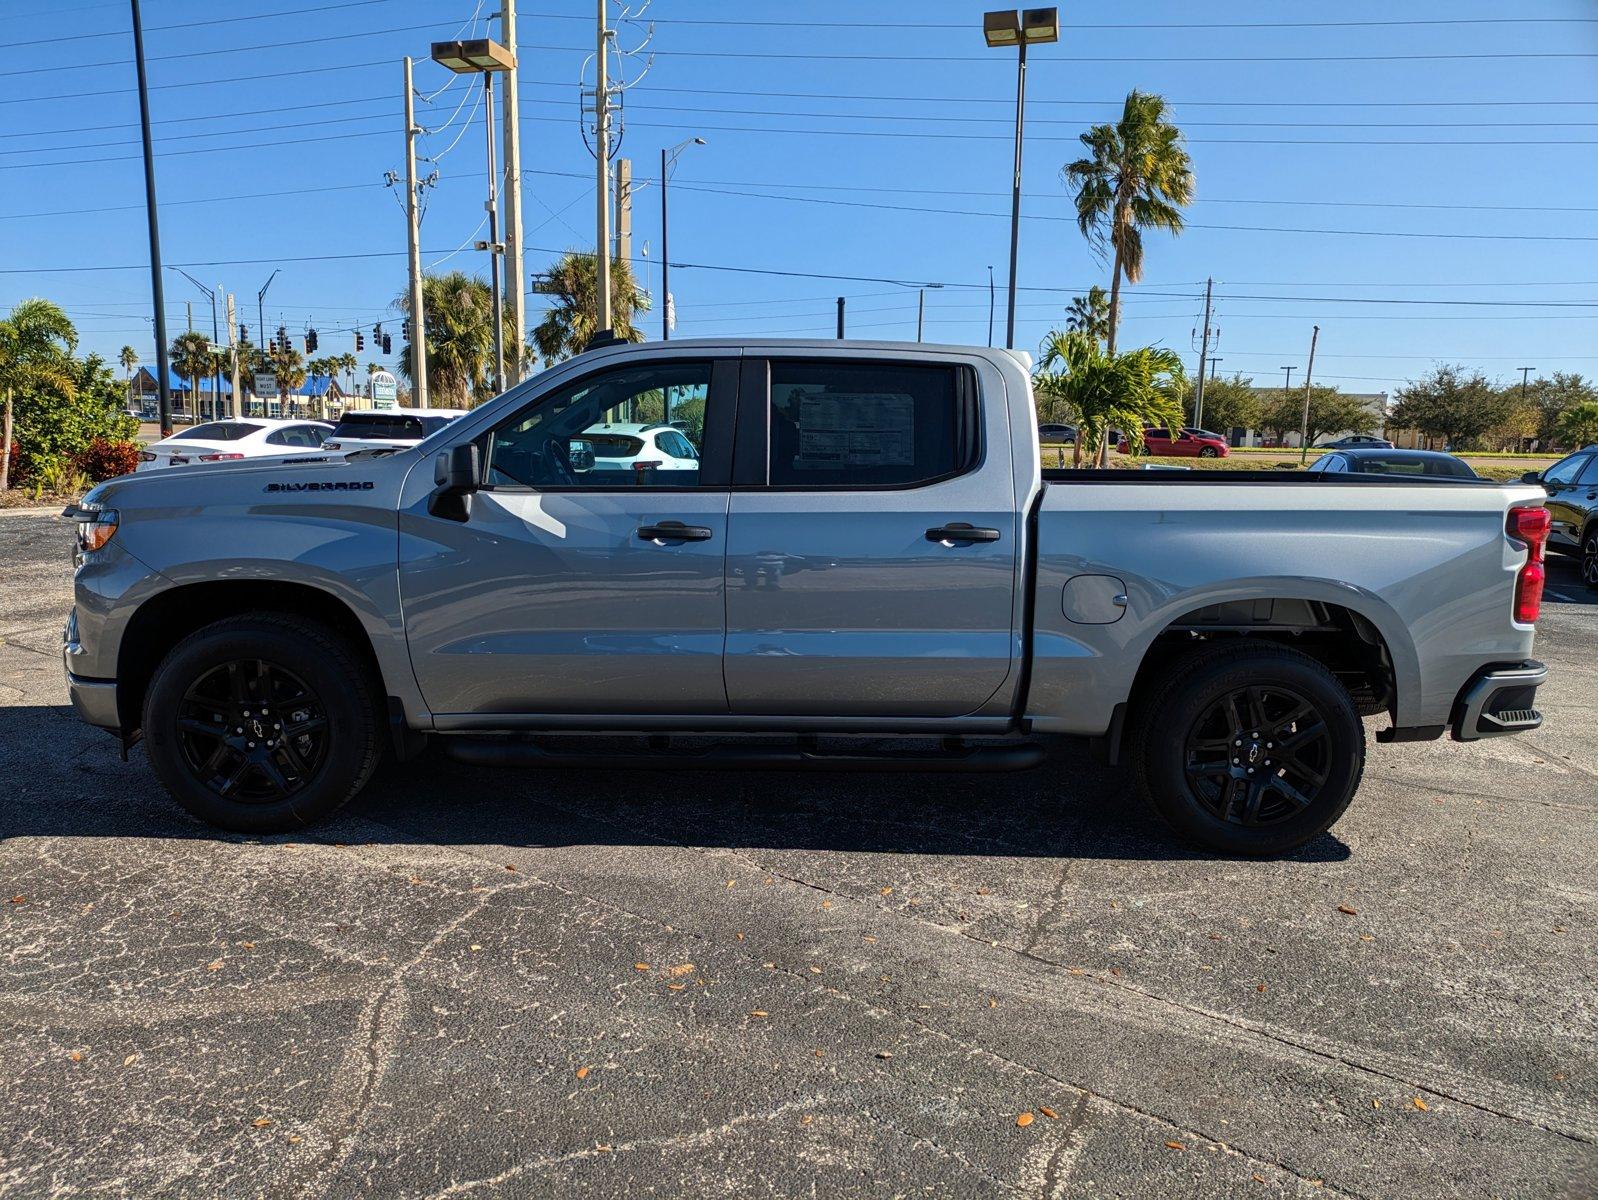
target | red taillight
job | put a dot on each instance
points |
(219, 457)
(1529, 525)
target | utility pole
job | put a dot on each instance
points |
(1309, 370)
(158, 297)
(665, 256)
(602, 156)
(495, 247)
(624, 210)
(921, 311)
(1204, 353)
(515, 263)
(413, 241)
(237, 407)
(1525, 376)
(1287, 388)
(840, 317)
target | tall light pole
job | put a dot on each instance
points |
(216, 344)
(921, 307)
(158, 297)
(668, 159)
(485, 57)
(990, 305)
(1309, 372)
(1012, 28)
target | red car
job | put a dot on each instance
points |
(1189, 443)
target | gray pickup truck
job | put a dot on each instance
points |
(850, 541)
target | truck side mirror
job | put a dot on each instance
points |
(457, 473)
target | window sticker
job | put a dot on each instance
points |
(854, 429)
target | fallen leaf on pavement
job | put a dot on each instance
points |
(887, 891)
(1175, 1146)
(294, 1139)
(475, 946)
(1049, 1112)
(1257, 1178)
(1259, 987)
(680, 969)
(675, 987)
(130, 1060)
(640, 966)
(261, 1122)
(214, 966)
(76, 1056)
(758, 1012)
(1346, 910)
(1420, 1104)
(582, 1072)
(19, 899)
(1024, 1120)
(884, 1053)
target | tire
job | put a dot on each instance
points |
(1201, 714)
(1589, 559)
(311, 739)
(1209, 452)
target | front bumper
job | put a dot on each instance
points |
(95, 700)
(1499, 701)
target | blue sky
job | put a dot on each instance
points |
(824, 142)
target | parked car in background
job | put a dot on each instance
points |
(1572, 487)
(1356, 441)
(1432, 464)
(1204, 433)
(1182, 443)
(228, 441)
(1050, 433)
(625, 446)
(387, 428)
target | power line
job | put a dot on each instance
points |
(186, 26)
(1074, 27)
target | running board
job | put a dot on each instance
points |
(521, 752)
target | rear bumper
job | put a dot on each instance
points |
(1499, 701)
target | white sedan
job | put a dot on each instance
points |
(618, 446)
(227, 441)
(387, 428)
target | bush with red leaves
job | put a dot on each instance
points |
(106, 459)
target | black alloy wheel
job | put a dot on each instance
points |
(1589, 560)
(1258, 755)
(252, 731)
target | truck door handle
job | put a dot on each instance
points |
(961, 531)
(674, 531)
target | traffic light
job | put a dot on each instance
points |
(388, 344)
(360, 340)
(405, 329)
(310, 341)
(244, 333)
(282, 339)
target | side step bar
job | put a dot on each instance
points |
(524, 752)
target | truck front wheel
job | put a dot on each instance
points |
(1248, 748)
(262, 723)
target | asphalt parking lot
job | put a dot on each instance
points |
(770, 984)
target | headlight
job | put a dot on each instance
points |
(96, 528)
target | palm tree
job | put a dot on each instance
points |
(36, 344)
(289, 368)
(573, 316)
(1108, 390)
(1137, 177)
(347, 362)
(129, 359)
(1090, 314)
(460, 337)
(192, 356)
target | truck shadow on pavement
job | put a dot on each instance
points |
(1071, 807)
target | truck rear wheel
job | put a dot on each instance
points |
(1248, 748)
(262, 723)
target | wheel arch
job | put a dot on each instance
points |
(1353, 633)
(163, 620)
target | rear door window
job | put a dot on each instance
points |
(382, 426)
(843, 424)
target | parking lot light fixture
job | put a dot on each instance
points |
(1019, 29)
(485, 57)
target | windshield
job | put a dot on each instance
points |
(1434, 465)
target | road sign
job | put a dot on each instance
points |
(265, 384)
(385, 390)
